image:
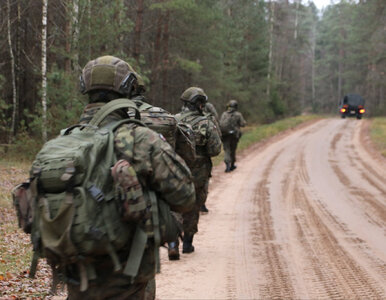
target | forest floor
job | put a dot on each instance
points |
(303, 216)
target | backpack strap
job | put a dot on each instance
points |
(112, 106)
(185, 115)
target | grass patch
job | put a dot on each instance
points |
(378, 134)
(254, 134)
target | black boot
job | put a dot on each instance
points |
(204, 209)
(187, 245)
(228, 167)
(233, 166)
(173, 252)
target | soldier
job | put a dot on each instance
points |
(157, 166)
(211, 112)
(230, 123)
(178, 134)
(208, 144)
(210, 109)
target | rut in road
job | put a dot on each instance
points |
(303, 216)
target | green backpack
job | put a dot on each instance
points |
(227, 123)
(76, 211)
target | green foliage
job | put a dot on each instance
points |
(64, 100)
(4, 108)
(378, 134)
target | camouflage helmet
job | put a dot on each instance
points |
(232, 103)
(108, 73)
(140, 84)
(193, 95)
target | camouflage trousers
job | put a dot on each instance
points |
(190, 219)
(230, 145)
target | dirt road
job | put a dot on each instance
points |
(303, 216)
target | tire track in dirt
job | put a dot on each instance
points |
(279, 284)
(377, 210)
(336, 270)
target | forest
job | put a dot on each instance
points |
(277, 58)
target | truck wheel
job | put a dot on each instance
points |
(359, 117)
(343, 116)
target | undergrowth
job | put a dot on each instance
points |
(378, 134)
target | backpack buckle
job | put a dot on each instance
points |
(96, 193)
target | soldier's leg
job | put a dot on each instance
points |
(227, 152)
(150, 290)
(203, 207)
(190, 228)
(233, 147)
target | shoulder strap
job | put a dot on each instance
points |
(185, 115)
(199, 119)
(112, 106)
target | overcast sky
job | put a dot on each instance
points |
(322, 3)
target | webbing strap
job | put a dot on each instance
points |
(112, 106)
(136, 252)
(191, 113)
(156, 228)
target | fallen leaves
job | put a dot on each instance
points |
(16, 249)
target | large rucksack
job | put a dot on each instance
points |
(76, 208)
(178, 134)
(227, 125)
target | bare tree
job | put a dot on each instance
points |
(13, 79)
(44, 70)
(271, 21)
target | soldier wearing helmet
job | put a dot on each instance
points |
(230, 123)
(208, 144)
(157, 166)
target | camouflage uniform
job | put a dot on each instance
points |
(211, 110)
(208, 144)
(231, 138)
(157, 166)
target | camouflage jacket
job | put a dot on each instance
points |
(211, 110)
(233, 120)
(158, 168)
(178, 134)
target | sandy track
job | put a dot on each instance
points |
(303, 216)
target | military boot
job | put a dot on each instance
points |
(173, 252)
(233, 166)
(228, 167)
(187, 246)
(204, 209)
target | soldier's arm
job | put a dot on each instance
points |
(160, 168)
(213, 145)
(242, 121)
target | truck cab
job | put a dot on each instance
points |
(352, 105)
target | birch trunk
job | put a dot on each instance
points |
(14, 98)
(296, 19)
(89, 28)
(44, 70)
(271, 20)
(75, 37)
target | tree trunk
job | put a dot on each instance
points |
(165, 58)
(44, 70)
(271, 20)
(138, 30)
(75, 37)
(296, 19)
(68, 36)
(13, 79)
(313, 43)
(156, 52)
